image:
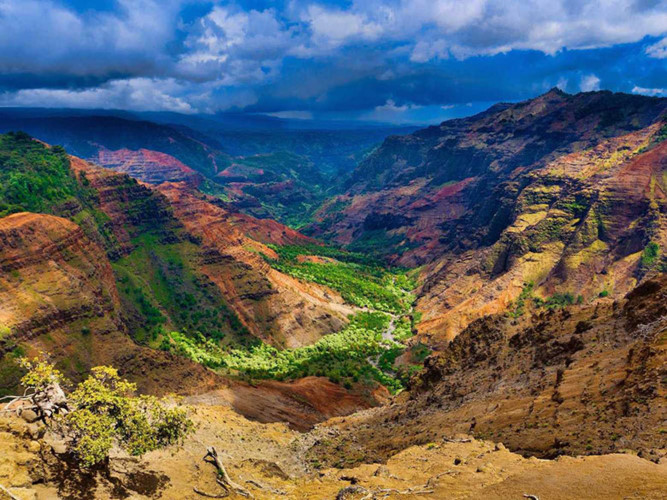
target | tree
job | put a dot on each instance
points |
(103, 411)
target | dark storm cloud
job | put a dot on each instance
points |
(372, 58)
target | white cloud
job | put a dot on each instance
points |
(425, 51)
(230, 56)
(658, 49)
(42, 35)
(235, 47)
(486, 27)
(391, 112)
(336, 26)
(142, 94)
(562, 84)
(589, 83)
(651, 92)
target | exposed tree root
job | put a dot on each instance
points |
(44, 402)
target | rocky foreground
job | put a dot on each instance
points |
(269, 460)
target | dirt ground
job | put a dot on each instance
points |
(271, 461)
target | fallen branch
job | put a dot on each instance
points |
(261, 486)
(224, 480)
(8, 493)
(450, 440)
(210, 495)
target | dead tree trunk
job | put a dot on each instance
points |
(44, 402)
(223, 479)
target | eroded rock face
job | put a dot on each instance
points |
(580, 225)
(52, 275)
(273, 306)
(146, 165)
(455, 184)
(562, 191)
(586, 380)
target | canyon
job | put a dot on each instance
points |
(477, 306)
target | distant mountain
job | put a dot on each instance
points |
(559, 194)
(86, 135)
(332, 146)
(299, 167)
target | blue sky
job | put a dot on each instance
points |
(395, 61)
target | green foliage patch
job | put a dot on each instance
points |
(103, 412)
(33, 177)
(360, 280)
(341, 356)
(650, 255)
(160, 286)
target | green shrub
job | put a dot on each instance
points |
(341, 356)
(103, 412)
(650, 255)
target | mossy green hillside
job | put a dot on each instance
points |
(361, 281)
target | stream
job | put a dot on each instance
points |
(387, 335)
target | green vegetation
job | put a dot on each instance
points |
(650, 255)
(518, 306)
(358, 353)
(661, 135)
(559, 301)
(292, 252)
(280, 185)
(160, 288)
(5, 331)
(359, 280)
(341, 356)
(103, 412)
(34, 178)
(556, 301)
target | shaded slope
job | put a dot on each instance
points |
(587, 379)
(581, 225)
(451, 188)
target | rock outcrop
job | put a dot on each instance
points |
(146, 165)
(583, 380)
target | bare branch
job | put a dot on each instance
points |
(225, 481)
(210, 495)
(8, 493)
(449, 440)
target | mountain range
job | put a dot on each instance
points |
(500, 276)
